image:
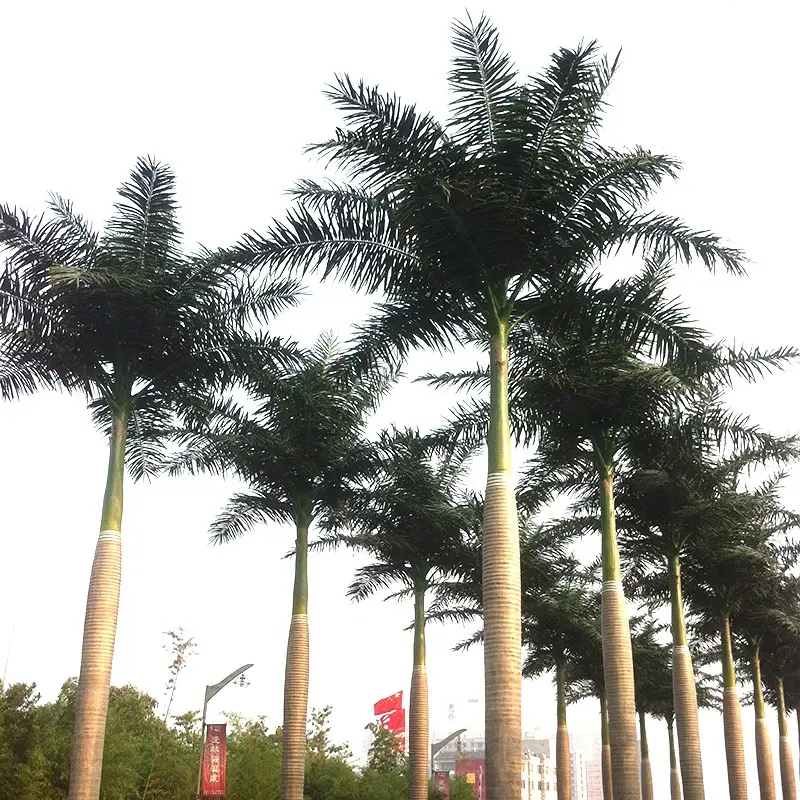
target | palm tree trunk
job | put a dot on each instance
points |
(788, 785)
(674, 774)
(797, 717)
(684, 692)
(502, 648)
(295, 687)
(647, 772)
(766, 768)
(732, 719)
(605, 754)
(617, 657)
(100, 627)
(563, 776)
(418, 744)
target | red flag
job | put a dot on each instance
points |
(214, 756)
(395, 721)
(393, 702)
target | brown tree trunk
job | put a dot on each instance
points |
(764, 763)
(647, 772)
(732, 719)
(685, 694)
(788, 785)
(100, 629)
(502, 622)
(605, 754)
(295, 687)
(674, 773)
(563, 774)
(418, 744)
(617, 655)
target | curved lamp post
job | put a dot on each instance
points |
(437, 746)
(210, 692)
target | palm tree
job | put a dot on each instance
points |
(673, 493)
(780, 659)
(127, 319)
(586, 678)
(556, 624)
(465, 229)
(722, 571)
(581, 395)
(408, 519)
(768, 628)
(556, 617)
(299, 452)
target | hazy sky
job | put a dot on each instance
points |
(229, 94)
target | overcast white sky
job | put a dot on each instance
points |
(229, 94)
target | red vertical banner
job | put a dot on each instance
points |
(441, 782)
(214, 756)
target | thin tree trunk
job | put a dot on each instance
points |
(502, 648)
(732, 719)
(647, 772)
(295, 687)
(766, 768)
(563, 773)
(605, 753)
(418, 744)
(100, 628)
(797, 717)
(617, 656)
(674, 774)
(788, 785)
(684, 692)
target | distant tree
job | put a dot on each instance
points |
(22, 767)
(181, 648)
(320, 745)
(384, 755)
(254, 760)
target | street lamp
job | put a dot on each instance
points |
(210, 692)
(437, 746)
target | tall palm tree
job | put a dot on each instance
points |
(556, 616)
(130, 321)
(299, 452)
(722, 571)
(780, 659)
(556, 624)
(409, 519)
(465, 228)
(585, 678)
(768, 627)
(673, 493)
(582, 394)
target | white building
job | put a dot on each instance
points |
(578, 776)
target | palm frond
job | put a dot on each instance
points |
(483, 81)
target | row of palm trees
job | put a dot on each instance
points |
(489, 230)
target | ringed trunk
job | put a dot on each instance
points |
(295, 687)
(617, 657)
(563, 774)
(766, 768)
(684, 692)
(732, 719)
(605, 754)
(100, 628)
(674, 773)
(788, 784)
(647, 772)
(418, 739)
(502, 649)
